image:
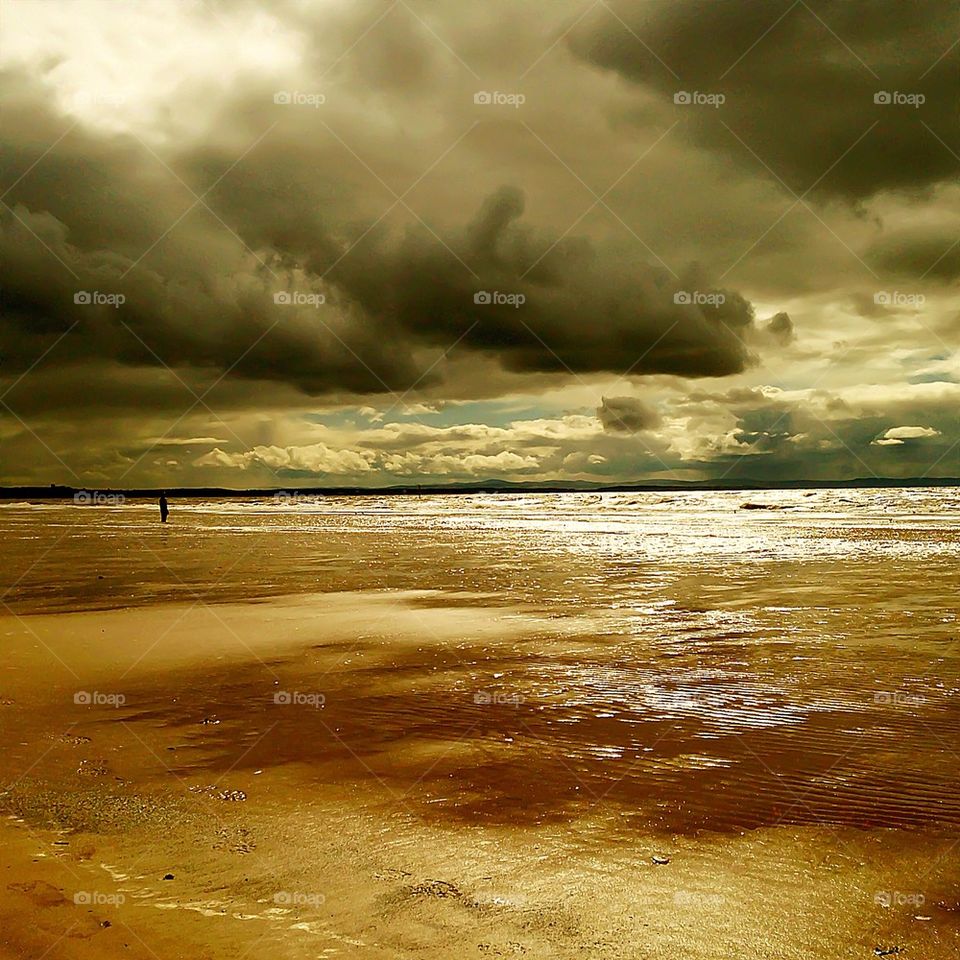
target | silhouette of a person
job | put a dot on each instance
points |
(164, 509)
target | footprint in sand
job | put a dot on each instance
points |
(40, 893)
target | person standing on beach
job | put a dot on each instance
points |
(164, 509)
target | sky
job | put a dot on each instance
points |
(373, 242)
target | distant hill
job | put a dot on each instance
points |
(492, 486)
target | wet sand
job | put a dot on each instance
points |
(444, 772)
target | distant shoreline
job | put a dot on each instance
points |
(58, 492)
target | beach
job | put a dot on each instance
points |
(696, 725)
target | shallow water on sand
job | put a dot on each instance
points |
(674, 665)
(702, 662)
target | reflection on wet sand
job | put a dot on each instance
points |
(531, 734)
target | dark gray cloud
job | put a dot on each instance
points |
(199, 299)
(929, 254)
(780, 327)
(627, 415)
(799, 82)
(581, 312)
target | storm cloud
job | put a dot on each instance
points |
(262, 241)
(832, 97)
(626, 415)
(351, 315)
